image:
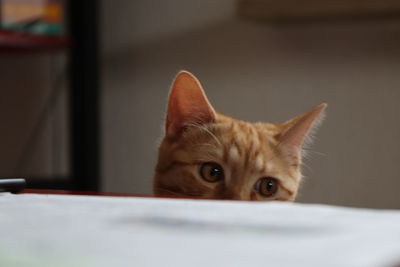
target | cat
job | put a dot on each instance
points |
(205, 154)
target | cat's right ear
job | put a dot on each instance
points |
(187, 105)
(297, 131)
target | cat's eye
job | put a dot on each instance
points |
(211, 172)
(267, 186)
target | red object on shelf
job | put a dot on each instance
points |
(10, 41)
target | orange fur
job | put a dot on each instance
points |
(196, 134)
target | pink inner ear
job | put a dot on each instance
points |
(187, 104)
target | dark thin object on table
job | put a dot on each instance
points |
(14, 185)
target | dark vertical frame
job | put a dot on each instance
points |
(84, 95)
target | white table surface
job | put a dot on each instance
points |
(62, 230)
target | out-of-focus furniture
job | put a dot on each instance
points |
(83, 65)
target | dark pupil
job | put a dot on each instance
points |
(214, 172)
(270, 185)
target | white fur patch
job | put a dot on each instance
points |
(233, 153)
(259, 162)
(270, 167)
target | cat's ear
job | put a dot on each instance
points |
(298, 131)
(187, 105)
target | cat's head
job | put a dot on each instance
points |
(209, 155)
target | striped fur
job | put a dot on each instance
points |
(246, 151)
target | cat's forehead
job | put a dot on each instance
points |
(243, 141)
(241, 132)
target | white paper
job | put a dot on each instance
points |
(60, 230)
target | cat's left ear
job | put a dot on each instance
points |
(297, 131)
(187, 105)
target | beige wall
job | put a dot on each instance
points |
(258, 71)
(127, 23)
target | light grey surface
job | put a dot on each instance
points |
(55, 230)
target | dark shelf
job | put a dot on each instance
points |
(20, 42)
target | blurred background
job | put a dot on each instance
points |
(84, 87)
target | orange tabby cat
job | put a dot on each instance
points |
(209, 155)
